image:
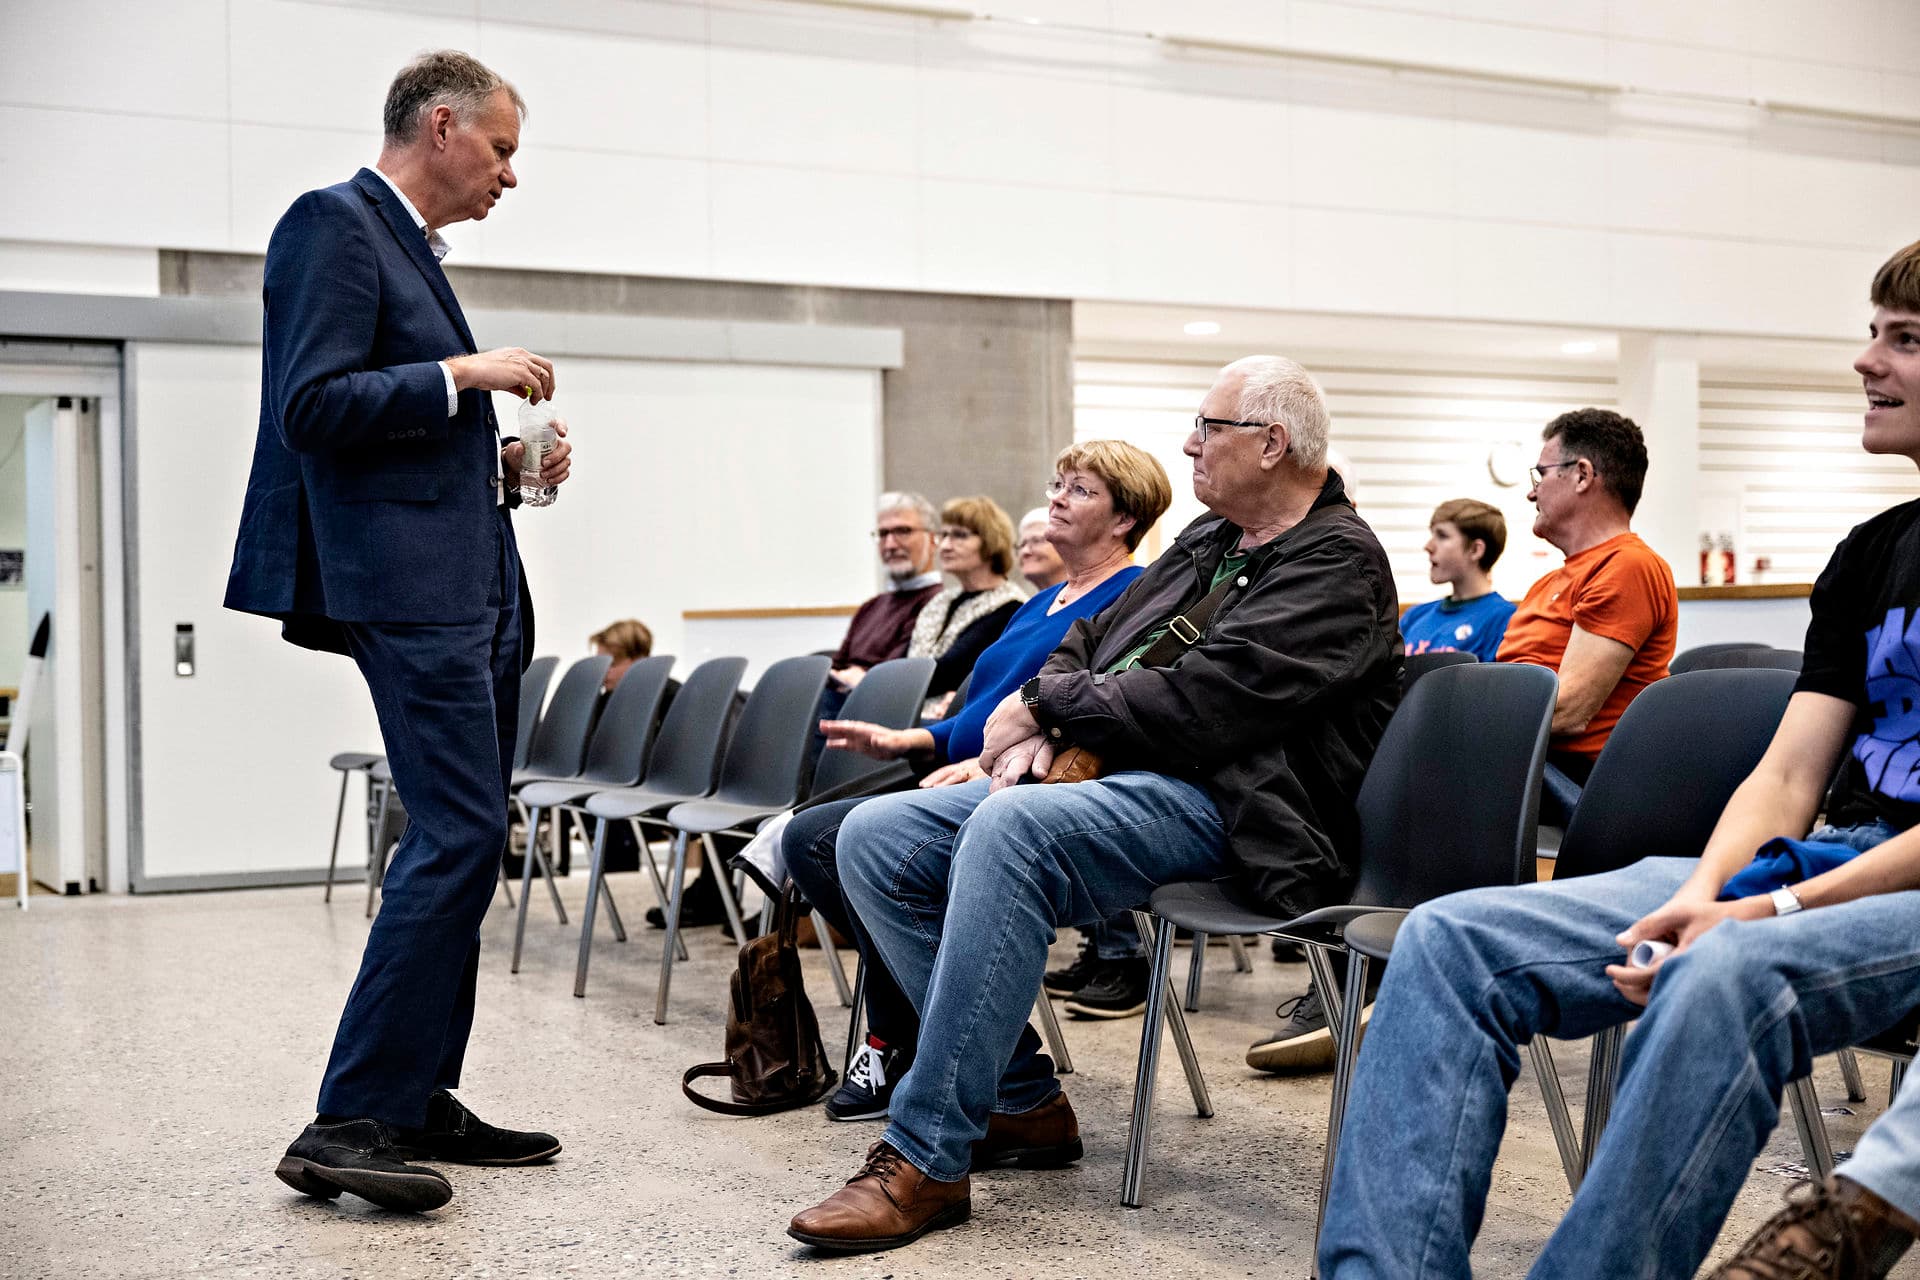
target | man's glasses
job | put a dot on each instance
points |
(898, 532)
(1204, 425)
(1537, 474)
(1078, 492)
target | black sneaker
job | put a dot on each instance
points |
(359, 1156)
(1304, 1042)
(1084, 969)
(868, 1088)
(1119, 991)
(454, 1135)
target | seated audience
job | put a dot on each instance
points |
(1104, 497)
(1760, 981)
(883, 626)
(1235, 749)
(1465, 538)
(956, 626)
(1605, 619)
(1040, 563)
(626, 642)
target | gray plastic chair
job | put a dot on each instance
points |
(1698, 656)
(533, 696)
(1688, 740)
(681, 766)
(559, 746)
(1750, 658)
(1420, 664)
(347, 763)
(1449, 802)
(890, 695)
(760, 776)
(616, 756)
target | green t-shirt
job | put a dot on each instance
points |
(1230, 564)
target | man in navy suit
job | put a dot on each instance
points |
(376, 525)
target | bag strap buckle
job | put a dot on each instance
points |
(1184, 631)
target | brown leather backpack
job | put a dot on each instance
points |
(775, 1059)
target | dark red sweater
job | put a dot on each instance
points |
(882, 627)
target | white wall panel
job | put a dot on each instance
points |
(1003, 128)
(1525, 173)
(1373, 262)
(816, 111)
(274, 164)
(616, 93)
(261, 717)
(1018, 240)
(600, 211)
(324, 66)
(144, 180)
(1676, 68)
(1185, 142)
(1364, 160)
(1502, 269)
(784, 224)
(1659, 185)
(1797, 197)
(1250, 21)
(99, 55)
(1237, 254)
(38, 267)
(1719, 24)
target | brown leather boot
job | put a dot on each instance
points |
(1047, 1137)
(1832, 1230)
(887, 1204)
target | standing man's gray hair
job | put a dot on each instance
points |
(1276, 389)
(914, 502)
(445, 77)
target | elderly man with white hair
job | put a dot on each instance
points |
(1234, 696)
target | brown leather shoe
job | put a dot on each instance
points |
(1047, 1137)
(1832, 1230)
(887, 1204)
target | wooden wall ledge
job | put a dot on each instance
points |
(1750, 591)
(755, 615)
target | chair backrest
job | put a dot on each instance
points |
(618, 751)
(560, 741)
(1452, 798)
(890, 695)
(687, 750)
(533, 695)
(960, 696)
(1670, 766)
(771, 738)
(1702, 655)
(1419, 664)
(1756, 659)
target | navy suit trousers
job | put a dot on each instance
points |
(447, 696)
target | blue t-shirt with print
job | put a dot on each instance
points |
(1471, 626)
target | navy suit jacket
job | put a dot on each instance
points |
(367, 501)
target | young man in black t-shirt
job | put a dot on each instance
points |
(1762, 978)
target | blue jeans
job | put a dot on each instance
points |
(1476, 975)
(1116, 938)
(1001, 874)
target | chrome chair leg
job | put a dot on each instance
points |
(835, 969)
(1815, 1147)
(595, 877)
(1238, 950)
(546, 870)
(1196, 970)
(677, 885)
(1147, 1068)
(1895, 1079)
(723, 884)
(653, 870)
(856, 1012)
(333, 850)
(1050, 1032)
(1346, 1053)
(1603, 1074)
(1564, 1138)
(526, 886)
(1850, 1072)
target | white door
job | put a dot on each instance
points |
(66, 774)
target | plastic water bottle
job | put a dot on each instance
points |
(536, 438)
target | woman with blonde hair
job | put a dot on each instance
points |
(955, 627)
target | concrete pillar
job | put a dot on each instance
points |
(1660, 390)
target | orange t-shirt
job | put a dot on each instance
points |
(1620, 590)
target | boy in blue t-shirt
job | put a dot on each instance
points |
(1468, 536)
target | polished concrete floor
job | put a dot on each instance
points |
(156, 1055)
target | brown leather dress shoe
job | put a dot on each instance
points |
(1832, 1230)
(1047, 1137)
(887, 1204)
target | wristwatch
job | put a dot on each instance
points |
(1030, 694)
(1785, 901)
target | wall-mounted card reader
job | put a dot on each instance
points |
(183, 649)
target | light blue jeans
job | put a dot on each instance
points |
(1732, 1019)
(962, 893)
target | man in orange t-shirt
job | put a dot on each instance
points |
(1605, 619)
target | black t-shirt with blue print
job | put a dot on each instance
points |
(1863, 645)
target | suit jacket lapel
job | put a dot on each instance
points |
(414, 243)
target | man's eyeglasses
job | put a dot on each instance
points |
(898, 532)
(1536, 474)
(1078, 492)
(1204, 425)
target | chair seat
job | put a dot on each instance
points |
(348, 761)
(543, 793)
(703, 817)
(632, 802)
(1221, 907)
(1898, 1040)
(380, 770)
(1372, 935)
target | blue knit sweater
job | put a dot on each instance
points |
(1015, 658)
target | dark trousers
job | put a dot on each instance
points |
(447, 696)
(808, 847)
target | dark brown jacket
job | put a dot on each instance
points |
(1276, 711)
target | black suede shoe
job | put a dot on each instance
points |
(1084, 969)
(454, 1135)
(359, 1156)
(1119, 990)
(700, 906)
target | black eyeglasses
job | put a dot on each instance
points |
(1201, 424)
(1536, 474)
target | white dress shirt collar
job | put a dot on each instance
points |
(435, 243)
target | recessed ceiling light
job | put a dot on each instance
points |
(1201, 328)
(1579, 348)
